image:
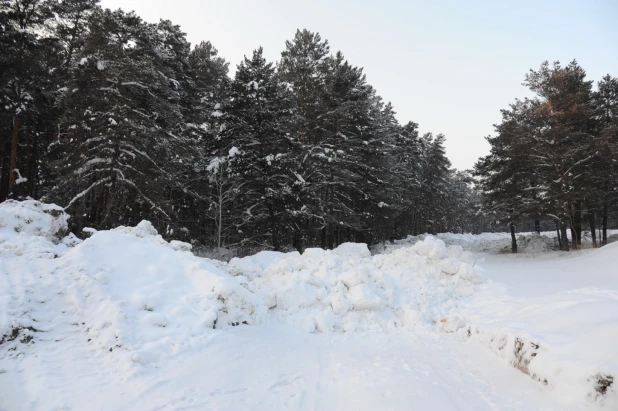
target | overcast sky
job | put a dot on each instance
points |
(448, 65)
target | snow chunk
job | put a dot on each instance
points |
(180, 246)
(143, 229)
(432, 248)
(363, 297)
(353, 250)
(345, 289)
(33, 218)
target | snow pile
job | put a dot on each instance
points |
(32, 218)
(127, 289)
(489, 243)
(498, 243)
(535, 243)
(135, 294)
(138, 293)
(31, 222)
(346, 289)
(253, 265)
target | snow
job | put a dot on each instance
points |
(22, 220)
(19, 178)
(128, 320)
(233, 151)
(346, 289)
(213, 166)
(562, 309)
(498, 243)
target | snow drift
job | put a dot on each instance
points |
(494, 243)
(129, 289)
(140, 294)
(346, 289)
(133, 293)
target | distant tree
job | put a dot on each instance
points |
(604, 172)
(541, 159)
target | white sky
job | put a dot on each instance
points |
(448, 65)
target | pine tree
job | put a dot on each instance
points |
(604, 172)
(71, 25)
(205, 123)
(348, 162)
(258, 124)
(543, 148)
(116, 116)
(24, 88)
(304, 67)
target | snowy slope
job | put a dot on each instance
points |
(126, 320)
(554, 317)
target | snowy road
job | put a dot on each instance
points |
(277, 367)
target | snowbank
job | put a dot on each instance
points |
(134, 293)
(127, 289)
(490, 243)
(345, 289)
(32, 218)
(37, 225)
(146, 297)
(563, 333)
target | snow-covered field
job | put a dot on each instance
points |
(127, 321)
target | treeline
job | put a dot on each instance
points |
(556, 155)
(121, 120)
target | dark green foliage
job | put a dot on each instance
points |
(121, 120)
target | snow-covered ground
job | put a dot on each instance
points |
(499, 243)
(127, 321)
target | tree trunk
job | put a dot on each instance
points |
(220, 222)
(564, 246)
(537, 226)
(32, 168)
(592, 228)
(323, 238)
(4, 178)
(273, 228)
(577, 221)
(604, 223)
(13, 163)
(558, 234)
(513, 239)
(297, 241)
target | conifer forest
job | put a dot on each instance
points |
(120, 120)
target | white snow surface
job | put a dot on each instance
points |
(126, 320)
(499, 243)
